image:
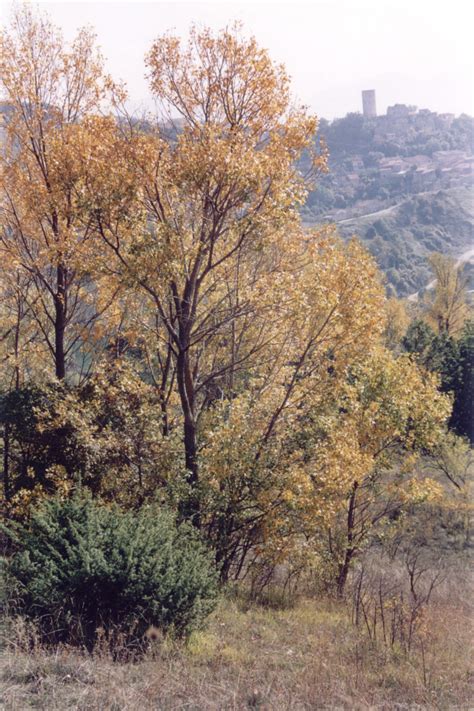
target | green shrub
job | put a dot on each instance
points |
(81, 566)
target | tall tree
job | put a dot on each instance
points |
(447, 309)
(49, 90)
(215, 192)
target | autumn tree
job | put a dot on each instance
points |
(246, 380)
(252, 325)
(397, 322)
(391, 412)
(258, 447)
(49, 90)
(22, 351)
(204, 204)
(446, 305)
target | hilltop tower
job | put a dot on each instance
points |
(368, 103)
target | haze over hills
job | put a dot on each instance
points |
(402, 183)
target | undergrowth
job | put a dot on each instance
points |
(252, 656)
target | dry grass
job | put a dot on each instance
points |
(252, 657)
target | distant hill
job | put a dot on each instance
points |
(402, 236)
(402, 183)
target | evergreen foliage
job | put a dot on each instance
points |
(418, 338)
(453, 361)
(81, 566)
(462, 418)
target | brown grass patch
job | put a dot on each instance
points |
(253, 657)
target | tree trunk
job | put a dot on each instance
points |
(6, 462)
(190, 509)
(60, 323)
(350, 549)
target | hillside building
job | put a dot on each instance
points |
(368, 103)
(401, 111)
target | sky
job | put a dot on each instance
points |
(410, 51)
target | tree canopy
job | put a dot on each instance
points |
(172, 333)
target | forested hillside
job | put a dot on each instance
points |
(400, 237)
(403, 184)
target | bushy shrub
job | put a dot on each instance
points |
(32, 450)
(105, 433)
(81, 566)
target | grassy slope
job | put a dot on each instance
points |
(308, 657)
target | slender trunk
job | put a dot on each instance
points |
(60, 323)
(350, 548)
(223, 566)
(224, 556)
(190, 508)
(6, 462)
(190, 448)
(17, 340)
(165, 386)
(164, 415)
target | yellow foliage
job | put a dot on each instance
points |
(262, 367)
(446, 304)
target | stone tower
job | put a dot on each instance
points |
(368, 103)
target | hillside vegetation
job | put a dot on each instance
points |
(401, 237)
(403, 185)
(300, 658)
(234, 473)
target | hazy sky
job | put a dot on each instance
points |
(409, 51)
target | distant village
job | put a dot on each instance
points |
(444, 169)
(412, 174)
